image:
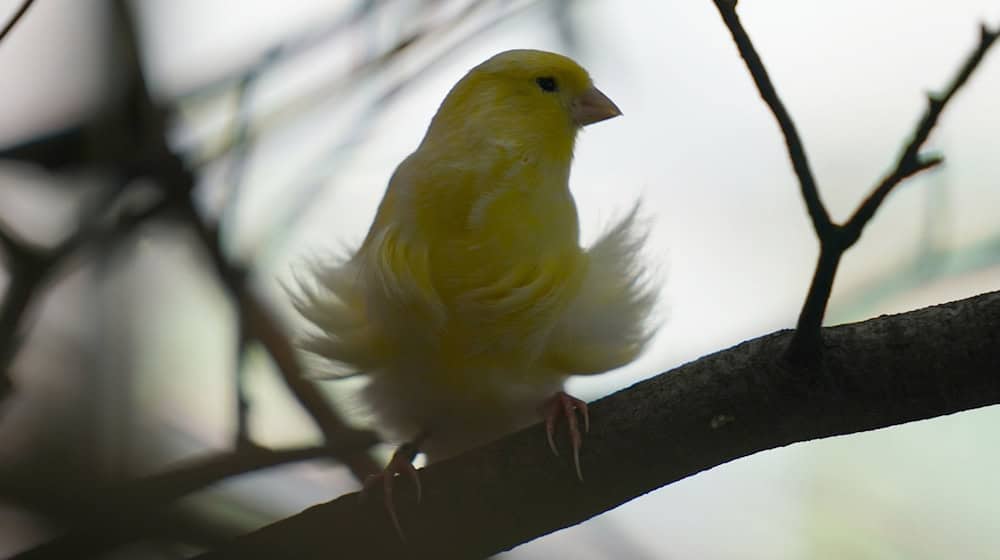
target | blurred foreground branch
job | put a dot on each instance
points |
(32, 267)
(263, 324)
(133, 509)
(877, 373)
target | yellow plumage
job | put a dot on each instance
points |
(470, 300)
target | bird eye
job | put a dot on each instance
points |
(547, 83)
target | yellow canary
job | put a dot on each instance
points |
(471, 301)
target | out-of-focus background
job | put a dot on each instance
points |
(129, 364)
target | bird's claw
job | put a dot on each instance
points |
(400, 463)
(564, 405)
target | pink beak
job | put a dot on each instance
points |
(593, 106)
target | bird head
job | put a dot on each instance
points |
(525, 98)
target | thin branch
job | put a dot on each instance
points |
(807, 342)
(235, 172)
(239, 159)
(297, 44)
(11, 244)
(263, 323)
(16, 18)
(25, 282)
(836, 239)
(129, 510)
(63, 148)
(318, 178)
(796, 151)
(866, 210)
(242, 437)
(267, 121)
(910, 163)
(882, 372)
(31, 268)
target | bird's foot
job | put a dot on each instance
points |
(401, 463)
(566, 406)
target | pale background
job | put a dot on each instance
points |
(731, 237)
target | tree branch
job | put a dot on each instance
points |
(910, 163)
(262, 325)
(796, 151)
(16, 18)
(262, 322)
(806, 342)
(31, 268)
(135, 508)
(878, 373)
(836, 239)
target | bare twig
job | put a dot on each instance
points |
(318, 178)
(835, 239)
(25, 279)
(796, 151)
(10, 243)
(299, 43)
(267, 121)
(910, 162)
(807, 342)
(16, 18)
(31, 268)
(239, 160)
(263, 323)
(242, 436)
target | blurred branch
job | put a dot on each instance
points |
(30, 268)
(269, 120)
(55, 150)
(263, 323)
(16, 18)
(239, 159)
(882, 372)
(836, 239)
(63, 148)
(228, 228)
(134, 509)
(299, 43)
(11, 245)
(242, 437)
(319, 177)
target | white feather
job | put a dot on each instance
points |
(607, 324)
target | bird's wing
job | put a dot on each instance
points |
(370, 307)
(607, 324)
(512, 313)
(396, 271)
(381, 297)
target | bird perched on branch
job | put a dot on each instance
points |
(471, 301)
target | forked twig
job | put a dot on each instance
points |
(836, 239)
